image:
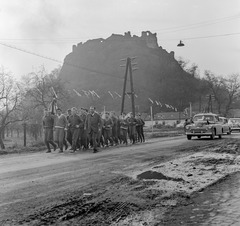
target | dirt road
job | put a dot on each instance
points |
(76, 189)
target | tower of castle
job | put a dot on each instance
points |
(150, 38)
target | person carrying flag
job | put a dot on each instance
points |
(60, 125)
(48, 124)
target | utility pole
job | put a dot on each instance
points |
(24, 134)
(210, 102)
(190, 109)
(130, 70)
(151, 112)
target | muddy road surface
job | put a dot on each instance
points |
(84, 188)
(216, 205)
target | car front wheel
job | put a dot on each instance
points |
(213, 135)
(189, 137)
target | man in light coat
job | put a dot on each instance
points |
(60, 125)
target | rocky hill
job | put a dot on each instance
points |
(95, 66)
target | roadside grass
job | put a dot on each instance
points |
(16, 145)
(164, 131)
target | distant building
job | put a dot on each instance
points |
(169, 116)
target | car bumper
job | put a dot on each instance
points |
(235, 128)
(197, 133)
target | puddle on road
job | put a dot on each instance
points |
(157, 176)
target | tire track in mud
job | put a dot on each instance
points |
(97, 209)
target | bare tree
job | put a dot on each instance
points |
(10, 99)
(193, 70)
(225, 90)
(183, 63)
(39, 87)
(232, 86)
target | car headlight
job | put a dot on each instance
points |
(188, 127)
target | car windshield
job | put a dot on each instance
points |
(234, 120)
(203, 118)
(223, 120)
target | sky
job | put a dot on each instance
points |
(210, 30)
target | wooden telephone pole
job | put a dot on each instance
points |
(128, 69)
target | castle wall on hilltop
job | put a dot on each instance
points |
(95, 65)
(148, 38)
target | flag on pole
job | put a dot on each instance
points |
(92, 93)
(77, 92)
(150, 100)
(136, 95)
(54, 93)
(160, 103)
(118, 94)
(128, 95)
(86, 93)
(156, 102)
(111, 94)
(39, 91)
(96, 94)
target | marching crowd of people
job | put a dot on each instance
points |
(85, 129)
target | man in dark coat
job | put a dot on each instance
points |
(114, 127)
(69, 135)
(139, 128)
(76, 127)
(48, 124)
(107, 129)
(83, 136)
(92, 125)
(123, 128)
(132, 127)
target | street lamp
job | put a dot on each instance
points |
(180, 44)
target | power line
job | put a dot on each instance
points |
(58, 61)
(162, 31)
(213, 36)
(197, 25)
(202, 37)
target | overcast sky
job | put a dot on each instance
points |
(51, 27)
